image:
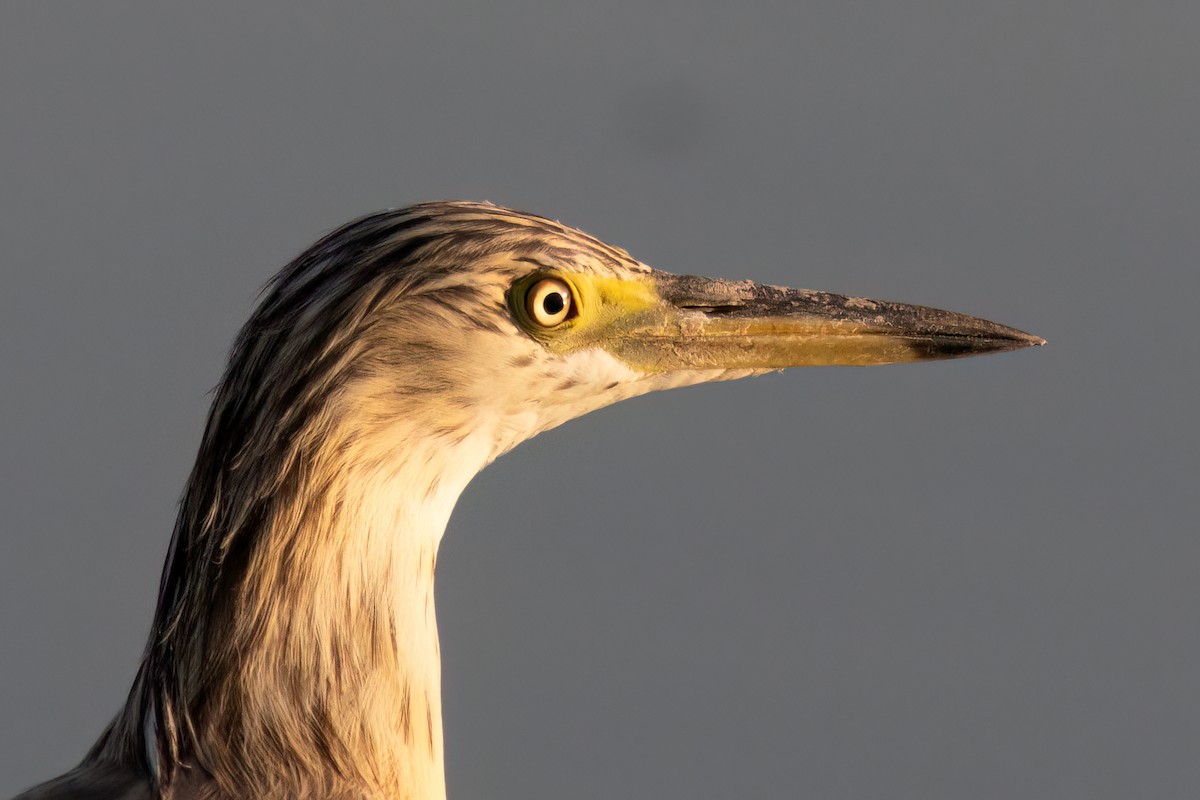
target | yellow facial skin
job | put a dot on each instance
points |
(603, 308)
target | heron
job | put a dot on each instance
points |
(294, 651)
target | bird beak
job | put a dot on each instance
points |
(705, 323)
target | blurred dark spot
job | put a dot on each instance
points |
(664, 119)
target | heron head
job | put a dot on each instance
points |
(467, 319)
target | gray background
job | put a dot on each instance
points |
(972, 579)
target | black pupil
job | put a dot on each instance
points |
(553, 303)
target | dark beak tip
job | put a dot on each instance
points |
(941, 347)
(1029, 340)
(1019, 340)
(1002, 337)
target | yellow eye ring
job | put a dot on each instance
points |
(550, 302)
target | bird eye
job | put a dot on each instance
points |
(549, 302)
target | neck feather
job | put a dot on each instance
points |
(300, 656)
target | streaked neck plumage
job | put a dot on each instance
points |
(317, 669)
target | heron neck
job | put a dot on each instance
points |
(358, 648)
(323, 656)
